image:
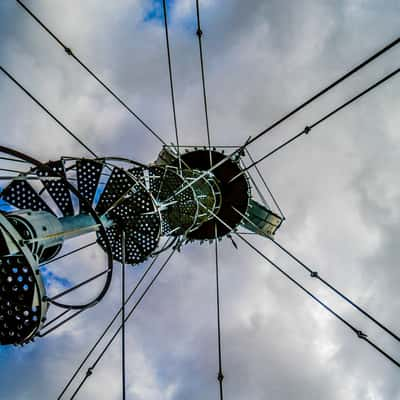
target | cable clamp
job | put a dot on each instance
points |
(220, 376)
(361, 334)
(307, 130)
(178, 246)
(314, 274)
(233, 242)
(199, 32)
(68, 51)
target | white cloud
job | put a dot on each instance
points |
(338, 187)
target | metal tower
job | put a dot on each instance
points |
(135, 212)
(132, 208)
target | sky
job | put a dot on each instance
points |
(338, 187)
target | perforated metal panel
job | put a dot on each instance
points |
(163, 182)
(117, 185)
(22, 195)
(141, 236)
(88, 174)
(183, 213)
(130, 206)
(58, 190)
(19, 317)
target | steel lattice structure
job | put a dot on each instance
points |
(137, 211)
(129, 208)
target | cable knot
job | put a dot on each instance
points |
(199, 32)
(361, 334)
(68, 51)
(89, 372)
(307, 130)
(314, 274)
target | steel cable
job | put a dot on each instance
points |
(123, 336)
(308, 128)
(358, 332)
(199, 34)
(297, 109)
(327, 88)
(47, 111)
(106, 329)
(93, 366)
(220, 373)
(315, 274)
(171, 83)
(70, 53)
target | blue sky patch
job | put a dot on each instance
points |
(4, 206)
(156, 12)
(50, 277)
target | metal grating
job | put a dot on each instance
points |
(130, 206)
(88, 174)
(163, 182)
(19, 316)
(117, 185)
(141, 231)
(58, 190)
(22, 195)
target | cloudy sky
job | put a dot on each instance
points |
(338, 187)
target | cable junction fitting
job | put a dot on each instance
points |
(68, 51)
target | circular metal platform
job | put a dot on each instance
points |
(234, 195)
